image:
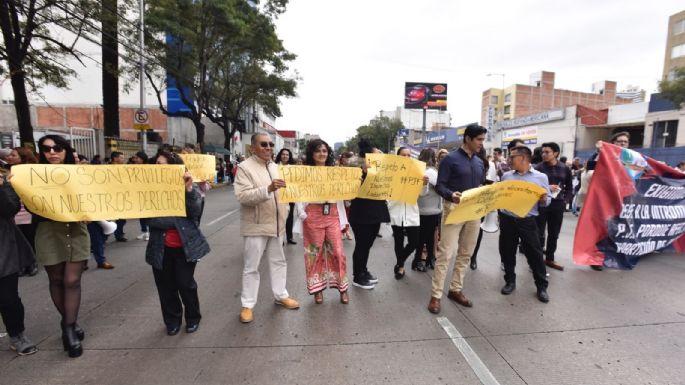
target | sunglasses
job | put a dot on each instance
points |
(46, 149)
(267, 144)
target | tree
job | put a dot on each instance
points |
(33, 50)
(674, 90)
(223, 56)
(109, 18)
(380, 133)
(252, 71)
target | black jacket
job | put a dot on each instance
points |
(15, 251)
(195, 245)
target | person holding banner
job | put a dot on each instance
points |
(141, 158)
(286, 157)
(15, 256)
(405, 220)
(176, 245)
(459, 171)
(320, 223)
(262, 224)
(513, 228)
(430, 209)
(62, 247)
(366, 216)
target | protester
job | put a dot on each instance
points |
(460, 171)
(16, 256)
(141, 158)
(501, 165)
(366, 216)
(96, 160)
(490, 177)
(23, 219)
(117, 159)
(513, 228)
(285, 157)
(430, 208)
(97, 246)
(320, 224)
(62, 247)
(405, 221)
(551, 217)
(621, 139)
(681, 166)
(176, 245)
(262, 224)
(345, 160)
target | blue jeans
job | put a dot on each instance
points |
(143, 225)
(97, 242)
(119, 232)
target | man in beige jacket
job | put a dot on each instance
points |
(262, 224)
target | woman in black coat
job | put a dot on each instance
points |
(15, 256)
(176, 245)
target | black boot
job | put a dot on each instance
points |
(71, 342)
(77, 329)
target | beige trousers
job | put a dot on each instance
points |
(455, 238)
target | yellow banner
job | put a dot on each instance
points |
(201, 167)
(70, 193)
(512, 195)
(313, 183)
(392, 177)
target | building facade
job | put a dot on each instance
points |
(675, 45)
(519, 100)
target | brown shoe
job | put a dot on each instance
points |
(246, 315)
(344, 297)
(554, 265)
(434, 305)
(288, 303)
(459, 298)
(105, 265)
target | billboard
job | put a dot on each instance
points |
(431, 96)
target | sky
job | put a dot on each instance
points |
(355, 56)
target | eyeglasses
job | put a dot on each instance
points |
(46, 149)
(267, 144)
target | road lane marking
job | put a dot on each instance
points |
(478, 367)
(220, 218)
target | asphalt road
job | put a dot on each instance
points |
(611, 327)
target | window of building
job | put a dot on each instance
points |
(679, 27)
(507, 98)
(678, 51)
(507, 110)
(494, 99)
(664, 133)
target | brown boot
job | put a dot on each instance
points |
(459, 298)
(434, 305)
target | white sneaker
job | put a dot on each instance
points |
(147, 236)
(141, 237)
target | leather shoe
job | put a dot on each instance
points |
(192, 328)
(434, 305)
(543, 296)
(459, 298)
(597, 267)
(291, 242)
(554, 265)
(474, 264)
(508, 288)
(246, 315)
(172, 330)
(288, 303)
(398, 274)
(105, 265)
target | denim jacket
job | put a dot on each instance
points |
(195, 245)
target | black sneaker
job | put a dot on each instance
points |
(370, 277)
(363, 283)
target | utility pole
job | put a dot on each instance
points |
(142, 69)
